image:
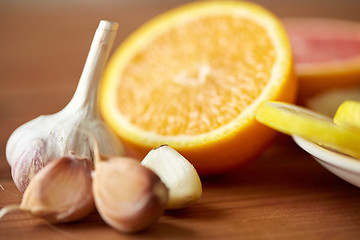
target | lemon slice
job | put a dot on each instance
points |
(348, 115)
(295, 120)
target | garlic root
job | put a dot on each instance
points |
(128, 196)
(37, 142)
(177, 173)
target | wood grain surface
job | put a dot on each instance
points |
(284, 194)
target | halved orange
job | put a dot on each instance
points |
(193, 78)
(326, 54)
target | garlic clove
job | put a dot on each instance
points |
(177, 173)
(128, 196)
(61, 191)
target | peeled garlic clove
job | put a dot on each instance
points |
(61, 191)
(177, 173)
(128, 196)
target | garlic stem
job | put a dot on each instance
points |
(86, 92)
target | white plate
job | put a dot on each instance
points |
(343, 166)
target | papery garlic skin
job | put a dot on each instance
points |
(61, 191)
(177, 173)
(128, 196)
(34, 144)
(28, 162)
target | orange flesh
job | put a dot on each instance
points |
(171, 96)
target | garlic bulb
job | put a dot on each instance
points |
(34, 144)
(177, 173)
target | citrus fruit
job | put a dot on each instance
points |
(348, 115)
(295, 120)
(193, 77)
(327, 102)
(326, 53)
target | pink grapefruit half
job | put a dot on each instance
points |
(326, 54)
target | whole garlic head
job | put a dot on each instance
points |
(34, 144)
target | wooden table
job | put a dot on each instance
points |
(284, 194)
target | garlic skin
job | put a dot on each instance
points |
(37, 142)
(128, 196)
(177, 173)
(61, 191)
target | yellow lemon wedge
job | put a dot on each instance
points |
(329, 101)
(295, 120)
(348, 115)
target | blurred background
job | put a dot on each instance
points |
(44, 39)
